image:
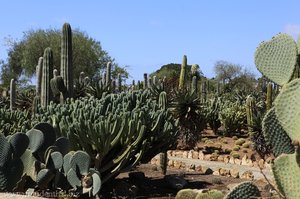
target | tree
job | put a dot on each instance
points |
(234, 76)
(23, 55)
(226, 71)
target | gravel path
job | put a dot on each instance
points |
(214, 165)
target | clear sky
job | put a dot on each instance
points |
(146, 34)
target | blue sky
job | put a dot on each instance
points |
(148, 34)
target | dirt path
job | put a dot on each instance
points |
(214, 165)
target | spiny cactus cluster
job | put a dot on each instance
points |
(278, 59)
(117, 131)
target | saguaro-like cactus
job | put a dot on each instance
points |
(108, 74)
(183, 72)
(249, 111)
(145, 81)
(194, 84)
(119, 83)
(39, 70)
(12, 94)
(66, 69)
(46, 94)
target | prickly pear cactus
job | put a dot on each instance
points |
(277, 58)
(244, 190)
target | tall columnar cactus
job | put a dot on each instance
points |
(269, 95)
(218, 88)
(194, 84)
(250, 113)
(39, 70)
(66, 69)
(119, 82)
(163, 159)
(46, 94)
(108, 74)
(12, 94)
(183, 73)
(145, 83)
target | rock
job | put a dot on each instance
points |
(201, 155)
(237, 161)
(234, 173)
(169, 153)
(153, 161)
(248, 175)
(226, 159)
(177, 164)
(192, 167)
(220, 158)
(195, 155)
(185, 154)
(207, 157)
(154, 168)
(190, 154)
(123, 190)
(244, 160)
(175, 182)
(216, 173)
(224, 172)
(231, 160)
(171, 163)
(249, 163)
(261, 163)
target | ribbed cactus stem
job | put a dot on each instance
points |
(182, 77)
(119, 82)
(150, 82)
(145, 85)
(139, 85)
(46, 94)
(194, 84)
(104, 78)
(250, 106)
(66, 69)
(12, 94)
(207, 86)
(39, 70)
(269, 95)
(154, 80)
(113, 86)
(194, 70)
(108, 74)
(218, 88)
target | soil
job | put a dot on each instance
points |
(147, 181)
(154, 186)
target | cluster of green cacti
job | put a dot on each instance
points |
(244, 190)
(232, 116)
(13, 121)
(212, 109)
(117, 131)
(277, 59)
(47, 161)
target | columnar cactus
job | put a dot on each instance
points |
(108, 74)
(12, 94)
(119, 83)
(194, 84)
(46, 94)
(250, 112)
(145, 83)
(183, 73)
(39, 70)
(204, 90)
(163, 162)
(66, 69)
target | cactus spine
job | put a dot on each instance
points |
(269, 95)
(183, 72)
(46, 94)
(39, 69)
(12, 94)
(66, 58)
